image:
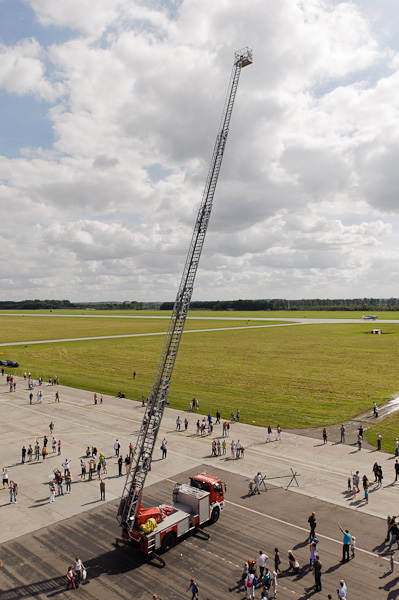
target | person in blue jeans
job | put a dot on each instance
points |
(346, 542)
(194, 590)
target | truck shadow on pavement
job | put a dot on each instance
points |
(115, 562)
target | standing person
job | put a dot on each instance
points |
(396, 470)
(102, 489)
(31, 398)
(218, 416)
(23, 455)
(196, 404)
(238, 449)
(178, 423)
(59, 447)
(68, 482)
(164, 448)
(117, 447)
(79, 566)
(224, 446)
(134, 375)
(317, 574)
(66, 464)
(54, 445)
(57, 397)
(92, 468)
(82, 470)
(30, 452)
(379, 476)
(345, 544)
(233, 449)
(342, 433)
(324, 436)
(219, 446)
(95, 398)
(52, 491)
(269, 434)
(120, 463)
(101, 399)
(185, 424)
(127, 464)
(190, 406)
(375, 471)
(313, 554)
(37, 450)
(278, 436)
(194, 590)
(257, 482)
(238, 415)
(312, 523)
(13, 491)
(359, 441)
(261, 562)
(379, 438)
(51, 427)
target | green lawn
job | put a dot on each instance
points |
(28, 328)
(296, 376)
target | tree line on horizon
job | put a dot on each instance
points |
(356, 304)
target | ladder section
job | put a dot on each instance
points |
(141, 460)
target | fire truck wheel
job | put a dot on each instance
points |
(215, 514)
(168, 541)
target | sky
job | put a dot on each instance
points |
(109, 111)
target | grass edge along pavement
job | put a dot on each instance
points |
(294, 376)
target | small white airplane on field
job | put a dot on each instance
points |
(369, 317)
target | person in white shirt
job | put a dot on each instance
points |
(342, 589)
(261, 562)
(249, 585)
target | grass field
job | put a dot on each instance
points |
(28, 328)
(300, 376)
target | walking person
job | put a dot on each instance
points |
(324, 436)
(396, 466)
(269, 434)
(345, 544)
(70, 579)
(317, 574)
(277, 561)
(102, 489)
(120, 463)
(342, 589)
(193, 587)
(278, 436)
(57, 397)
(342, 434)
(261, 562)
(79, 566)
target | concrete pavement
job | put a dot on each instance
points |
(323, 468)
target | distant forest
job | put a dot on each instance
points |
(360, 304)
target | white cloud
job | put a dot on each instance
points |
(306, 202)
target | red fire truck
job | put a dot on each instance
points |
(193, 505)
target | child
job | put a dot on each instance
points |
(366, 496)
(353, 546)
(392, 560)
(250, 488)
(349, 484)
(354, 490)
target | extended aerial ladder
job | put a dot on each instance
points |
(141, 460)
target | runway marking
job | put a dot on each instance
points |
(325, 537)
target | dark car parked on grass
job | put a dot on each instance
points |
(8, 363)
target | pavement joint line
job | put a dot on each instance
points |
(325, 537)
